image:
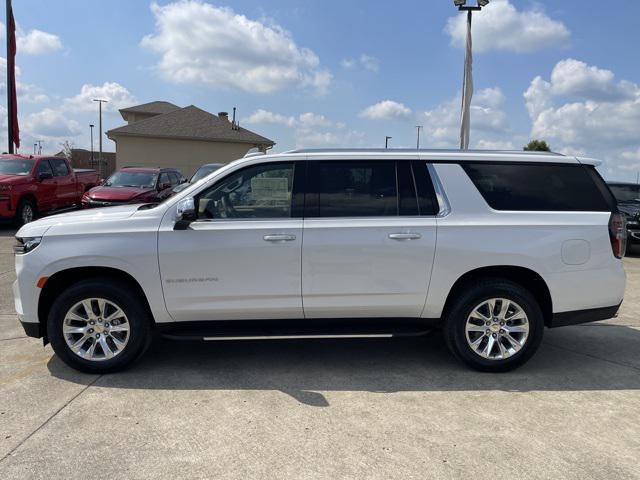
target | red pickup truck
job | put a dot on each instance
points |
(31, 186)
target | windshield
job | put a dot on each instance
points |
(132, 179)
(203, 172)
(16, 166)
(626, 193)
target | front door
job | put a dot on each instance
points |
(369, 239)
(241, 258)
(46, 187)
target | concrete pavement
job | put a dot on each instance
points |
(373, 409)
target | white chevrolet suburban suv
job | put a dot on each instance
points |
(492, 247)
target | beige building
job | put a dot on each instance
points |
(161, 134)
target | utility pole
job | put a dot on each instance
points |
(100, 102)
(91, 161)
(11, 78)
(418, 128)
(386, 141)
(34, 148)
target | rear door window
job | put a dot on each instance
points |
(59, 166)
(538, 187)
(354, 189)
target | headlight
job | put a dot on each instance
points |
(26, 244)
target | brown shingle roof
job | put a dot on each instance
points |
(152, 107)
(190, 123)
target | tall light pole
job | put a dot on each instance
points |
(100, 102)
(91, 162)
(386, 141)
(35, 146)
(418, 128)
(467, 84)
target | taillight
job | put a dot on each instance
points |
(618, 234)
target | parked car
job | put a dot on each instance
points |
(31, 186)
(202, 172)
(524, 241)
(133, 185)
(628, 197)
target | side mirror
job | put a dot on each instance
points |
(101, 181)
(185, 213)
(45, 176)
(164, 186)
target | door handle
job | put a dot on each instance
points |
(279, 238)
(405, 236)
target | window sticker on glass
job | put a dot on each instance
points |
(270, 189)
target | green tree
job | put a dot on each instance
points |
(537, 146)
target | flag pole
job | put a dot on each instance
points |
(10, 80)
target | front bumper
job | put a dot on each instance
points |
(32, 329)
(577, 317)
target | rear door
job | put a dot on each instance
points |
(369, 239)
(66, 186)
(241, 258)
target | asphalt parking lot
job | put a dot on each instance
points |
(325, 409)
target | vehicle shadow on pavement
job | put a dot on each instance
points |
(583, 358)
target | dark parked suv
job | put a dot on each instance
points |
(628, 197)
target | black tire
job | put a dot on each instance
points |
(23, 206)
(140, 324)
(474, 294)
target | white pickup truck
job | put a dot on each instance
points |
(492, 247)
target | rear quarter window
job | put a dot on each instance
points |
(538, 187)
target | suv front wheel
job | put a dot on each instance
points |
(98, 326)
(495, 326)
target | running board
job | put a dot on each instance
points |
(296, 330)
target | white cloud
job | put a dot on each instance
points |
(368, 62)
(575, 78)
(310, 129)
(51, 124)
(488, 121)
(604, 122)
(264, 116)
(500, 26)
(216, 47)
(313, 120)
(34, 42)
(118, 97)
(387, 110)
(37, 42)
(27, 93)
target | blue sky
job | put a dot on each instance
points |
(341, 73)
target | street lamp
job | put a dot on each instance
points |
(92, 162)
(418, 128)
(467, 85)
(100, 102)
(386, 141)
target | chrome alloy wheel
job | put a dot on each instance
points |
(27, 214)
(96, 329)
(497, 329)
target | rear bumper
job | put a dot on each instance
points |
(577, 317)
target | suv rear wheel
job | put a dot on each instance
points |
(495, 326)
(98, 326)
